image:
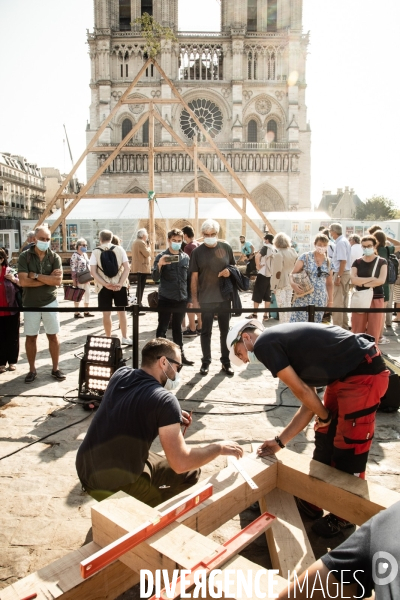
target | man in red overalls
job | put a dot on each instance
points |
(305, 356)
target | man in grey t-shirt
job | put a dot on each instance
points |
(208, 263)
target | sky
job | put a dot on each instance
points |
(352, 93)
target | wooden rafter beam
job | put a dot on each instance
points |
(91, 144)
(307, 479)
(215, 181)
(99, 171)
(212, 144)
(160, 195)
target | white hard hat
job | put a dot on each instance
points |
(234, 336)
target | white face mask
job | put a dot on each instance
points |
(210, 241)
(253, 360)
(320, 249)
(172, 384)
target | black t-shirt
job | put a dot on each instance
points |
(208, 262)
(371, 556)
(118, 440)
(365, 269)
(319, 355)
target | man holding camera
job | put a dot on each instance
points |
(171, 269)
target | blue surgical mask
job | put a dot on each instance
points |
(83, 248)
(211, 241)
(253, 360)
(368, 251)
(176, 246)
(172, 384)
(42, 246)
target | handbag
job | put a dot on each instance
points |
(363, 298)
(84, 276)
(73, 293)
(152, 299)
(303, 280)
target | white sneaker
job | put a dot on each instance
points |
(126, 341)
(383, 340)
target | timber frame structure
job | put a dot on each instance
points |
(183, 543)
(152, 114)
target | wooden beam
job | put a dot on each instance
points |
(127, 149)
(289, 547)
(62, 579)
(159, 195)
(243, 221)
(120, 514)
(213, 145)
(99, 171)
(64, 227)
(349, 497)
(151, 100)
(92, 142)
(152, 223)
(232, 494)
(196, 186)
(217, 184)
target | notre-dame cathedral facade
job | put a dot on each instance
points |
(246, 83)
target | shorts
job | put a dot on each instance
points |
(51, 321)
(262, 289)
(106, 297)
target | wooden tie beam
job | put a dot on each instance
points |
(183, 544)
(152, 114)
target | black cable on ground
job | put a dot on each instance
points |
(47, 436)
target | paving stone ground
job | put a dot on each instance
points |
(44, 512)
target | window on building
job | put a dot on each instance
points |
(251, 15)
(252, 131)
(126, 127)
(147, 7)
(126, 70)
(272, 17)
(150, 70)
(125, 15)
(145, 132)
(272, 131)
(122, 70)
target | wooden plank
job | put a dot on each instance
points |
(92, 142)
(62, 579)
(152, 222)
(160, 195)
(217, 184)
(99, 171)
(347, 496)
(196, 186)
(153, 100)
(287, 540)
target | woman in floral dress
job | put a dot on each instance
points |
(79, 263)
(317, 265)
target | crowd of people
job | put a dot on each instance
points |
(341, 357)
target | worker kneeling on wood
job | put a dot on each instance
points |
(306, 356)
(137, 407)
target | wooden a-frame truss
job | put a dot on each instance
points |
(183, 543)
(152, 115)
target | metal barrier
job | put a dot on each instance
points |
(135, 309)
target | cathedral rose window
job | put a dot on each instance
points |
(209, 115)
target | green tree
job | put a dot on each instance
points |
(377, 208)
(153, 33)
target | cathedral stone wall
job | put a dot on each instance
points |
(246, 84)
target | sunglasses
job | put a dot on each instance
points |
(180, 365)
(320, 272)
